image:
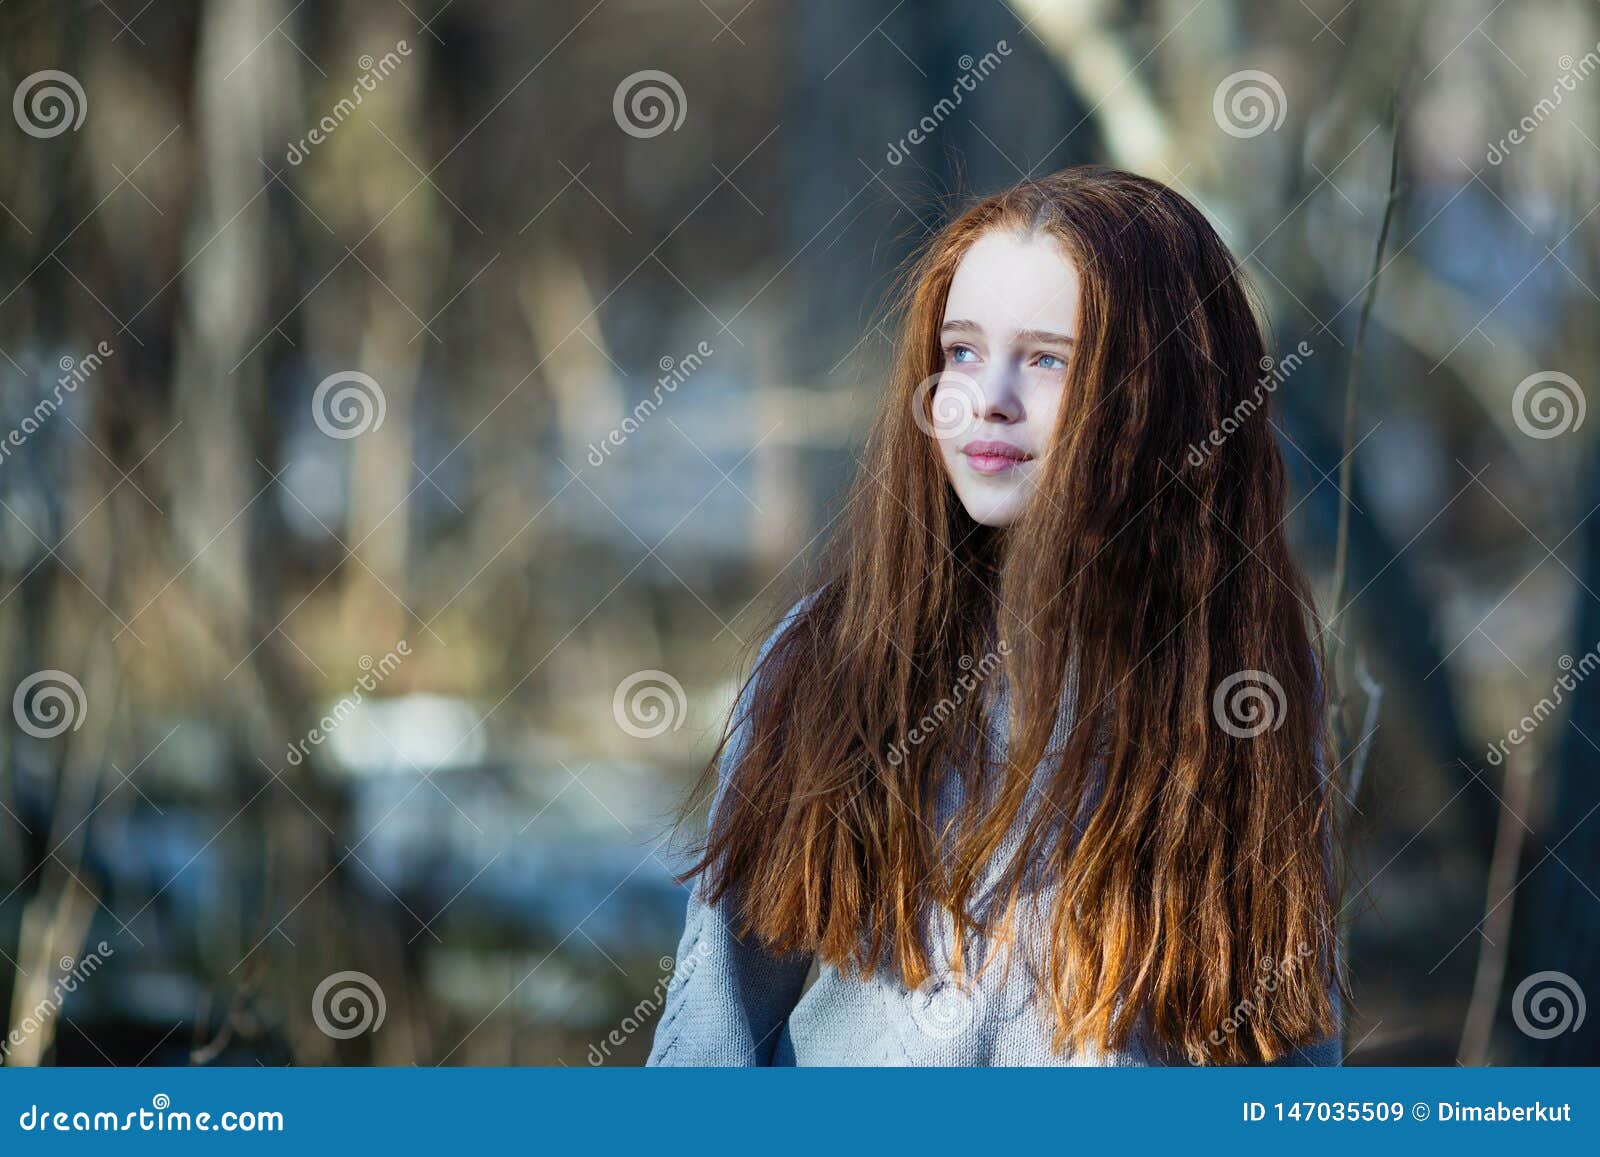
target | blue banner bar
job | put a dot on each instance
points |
(812, 1111)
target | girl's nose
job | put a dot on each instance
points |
(998, 399)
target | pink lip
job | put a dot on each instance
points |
(995, 457)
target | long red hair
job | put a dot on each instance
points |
(1151, 587)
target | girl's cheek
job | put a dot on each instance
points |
(947, 454)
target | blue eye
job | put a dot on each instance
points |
(1050, 362)
(956, 353)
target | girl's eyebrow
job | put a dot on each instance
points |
(1026, 337)
(1042, 337)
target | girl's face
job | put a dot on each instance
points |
(1009, 323)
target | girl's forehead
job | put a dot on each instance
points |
(1006, 283)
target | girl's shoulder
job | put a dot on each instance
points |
(790, 619)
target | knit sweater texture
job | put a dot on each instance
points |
(732, 1003)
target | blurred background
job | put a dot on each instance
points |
(415, 410)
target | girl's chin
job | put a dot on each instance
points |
(999, 512)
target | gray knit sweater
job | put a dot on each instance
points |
(730, 1002)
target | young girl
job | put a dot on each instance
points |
(1036, 776)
